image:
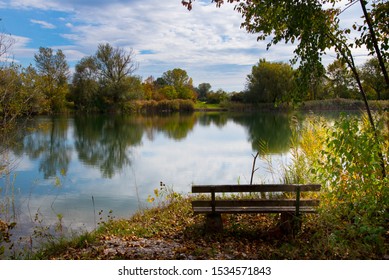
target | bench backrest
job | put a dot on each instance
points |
(273, 188)
(255, 188)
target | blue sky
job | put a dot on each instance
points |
(206, 42)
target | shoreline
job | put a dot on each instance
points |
(315, 105)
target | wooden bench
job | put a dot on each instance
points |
(270, 198)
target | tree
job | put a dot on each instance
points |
(8, 82)
(176, 77)
(6, 42)
(168, 92)
(19, 96)
(373, 79)
(340, 80)
(216, 97)
(10, 107)
(105, 81)
(270, 82)
(182, 83)
(314, 26)
(134, 85)
(202, 90)
(375, 33)
(149, 88)
(53, 71)
(85, 84)
(114, 66)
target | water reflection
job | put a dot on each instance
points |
(175, 126)
(49, 144)
(106, 142)
(273, 129)
(119, 160)
(219, 119)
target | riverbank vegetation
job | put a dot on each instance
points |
(106, 82)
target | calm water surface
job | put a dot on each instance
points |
(76, 166)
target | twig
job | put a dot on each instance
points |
(94, 210)
(253, 170)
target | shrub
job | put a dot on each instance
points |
(152, 106)
(345, 159)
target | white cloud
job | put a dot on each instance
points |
(172, 36)
(19, 49)
(43, 24)
(42, 5)
(207, 42)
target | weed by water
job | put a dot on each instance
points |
(170, 213)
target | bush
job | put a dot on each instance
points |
(186, 106)
(345, 159)
(353, 171)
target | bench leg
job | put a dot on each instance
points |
(290, 223)
(214, 223)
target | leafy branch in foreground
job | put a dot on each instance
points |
(315, 28)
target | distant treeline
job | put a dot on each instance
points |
(105, 82)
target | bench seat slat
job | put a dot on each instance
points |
(253, 209)
(255, 203)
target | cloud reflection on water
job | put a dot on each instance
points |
(119, 161)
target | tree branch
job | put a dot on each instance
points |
(375, 42)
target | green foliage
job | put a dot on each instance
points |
(373, 79)
(202, 90)
(104, 82)
(345, 159)
(176, 77)
(270, 83)
(170, 213)
(169, 92)
(379, 16)
(353, 173)
(216, 97)
(340, 81)
(10, 97)
(152, 106)
(179, 84)
(19, 95)
(53, 72)
(85, 85)
(315, 27)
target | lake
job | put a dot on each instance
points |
(71, 168)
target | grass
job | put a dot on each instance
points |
(312, 105)
(204, 106)
(342, 104)
(248, 236)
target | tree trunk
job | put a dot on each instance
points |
(375, 43)
(347, 56)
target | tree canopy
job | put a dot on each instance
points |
(53, 71)
(315, 27)
(270, 82)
